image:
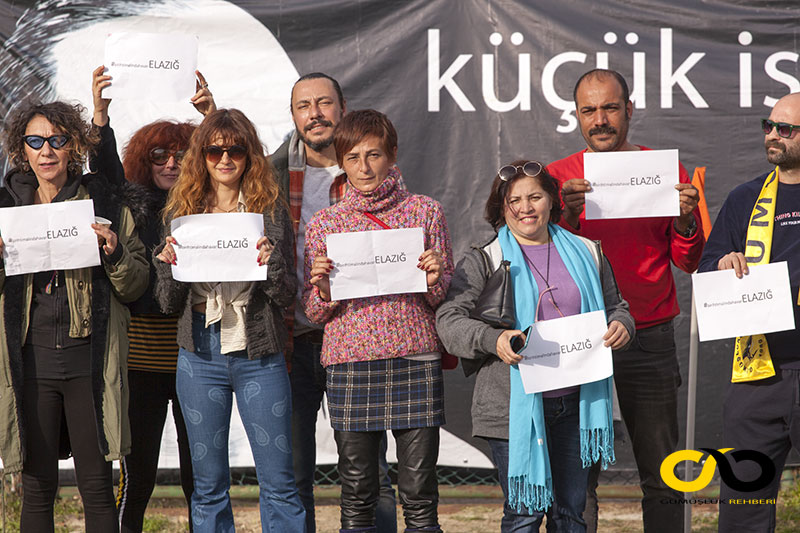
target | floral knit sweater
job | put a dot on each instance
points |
(378, 327)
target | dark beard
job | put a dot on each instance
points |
(316, 146)
(787, 158)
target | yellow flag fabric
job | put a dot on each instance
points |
(751, 358)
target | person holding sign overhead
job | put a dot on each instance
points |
(231, 334)
(541, 443)
(149, 168)
(64, 332)
(759, 223)
(641, 250)
(381, 353)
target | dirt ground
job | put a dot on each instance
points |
(460, 517)
(461, 510)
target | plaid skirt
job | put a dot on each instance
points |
(386, 394)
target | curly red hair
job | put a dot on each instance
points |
(160, 134)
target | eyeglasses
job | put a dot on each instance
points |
(784, 129)
(214, 153)
(530, 169)
(37, 141)
(160, 156)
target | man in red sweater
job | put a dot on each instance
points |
(640, 250)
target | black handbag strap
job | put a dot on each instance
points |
(487, 262)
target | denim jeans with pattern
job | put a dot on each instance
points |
(206, 384)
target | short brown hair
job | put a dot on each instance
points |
(500, 189)
(82, 138)
(160, 134)
(357, 125)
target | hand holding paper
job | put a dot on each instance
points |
(264, 250)
(432, 263)
(203, 100)
(109, 237)
(320, 272)
(735, 261)
(99, 82)
(167, 254)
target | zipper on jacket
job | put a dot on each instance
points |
(58, 315)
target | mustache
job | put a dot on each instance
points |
(320, 122)
(774, 144)
(599, 130)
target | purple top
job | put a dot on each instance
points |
(564, 294)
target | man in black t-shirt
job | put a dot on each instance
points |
(763, 415)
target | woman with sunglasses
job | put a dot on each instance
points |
(381, 353)
(231, 335)
(64, 333)
(541, 443)
(149, 169)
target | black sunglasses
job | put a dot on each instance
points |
(37, 141)
(160, 156)
(530, 169)
(784, 129)
(214, 153)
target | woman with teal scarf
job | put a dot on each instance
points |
(542, 444)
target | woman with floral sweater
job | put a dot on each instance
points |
(381, 353)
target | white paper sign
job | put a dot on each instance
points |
(565, 352)
(218, 247)
(760, 302)
(56, 236)
(632, 184)
(151, 66)
(375, 263)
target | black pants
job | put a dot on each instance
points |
(417, 484)
(150, 393)
(647, 379)
(763, 416)
(44, 402)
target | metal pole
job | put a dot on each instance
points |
(691, 401)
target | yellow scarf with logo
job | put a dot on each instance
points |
(751, 359)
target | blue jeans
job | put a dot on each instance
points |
(308, 387)
(561, 416)
(206, 383)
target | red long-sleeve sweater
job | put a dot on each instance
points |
(640, 251)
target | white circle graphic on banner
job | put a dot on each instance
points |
(243, 63)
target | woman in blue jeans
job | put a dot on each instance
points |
(541, 443)
(231, 334)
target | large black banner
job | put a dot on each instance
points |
(470, 85)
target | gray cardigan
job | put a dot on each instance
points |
(264, 326)
(476, 342)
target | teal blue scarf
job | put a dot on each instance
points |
(530, 482)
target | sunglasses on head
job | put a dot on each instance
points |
(784, 129)
(530, 169)
(37, 141)
(160, 156)
(214, 153)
